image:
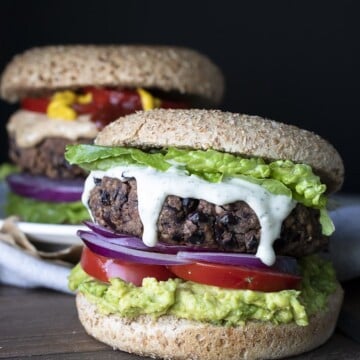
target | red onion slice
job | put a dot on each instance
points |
(137, 243)
(45, 189)
(105, 248)
(103, 231)
(124, 240)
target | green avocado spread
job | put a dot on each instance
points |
(189, 300)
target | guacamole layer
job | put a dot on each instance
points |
(212, 304)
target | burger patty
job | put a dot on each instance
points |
(47, 158)
(232, 227)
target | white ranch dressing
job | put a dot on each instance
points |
(154, 186)
(30, 128)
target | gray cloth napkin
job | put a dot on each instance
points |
(23, 265)
(24, 270)
(344, 250)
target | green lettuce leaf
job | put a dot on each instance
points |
(92, 157)
(326, 223)
(7, 169)
(31, 210)
(211, 161)
(305, 185)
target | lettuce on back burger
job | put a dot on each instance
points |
(68, 93)
(205, 228)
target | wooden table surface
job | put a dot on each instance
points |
(43, 324)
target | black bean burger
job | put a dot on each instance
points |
(68, 93)
(204, 234)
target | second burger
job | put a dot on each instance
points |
(68, 93)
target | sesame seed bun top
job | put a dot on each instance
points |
(228, 132)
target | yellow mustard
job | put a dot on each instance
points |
(148, 102)
(61, 102)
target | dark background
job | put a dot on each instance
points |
(292, 61)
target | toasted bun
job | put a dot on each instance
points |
(228, 132)
(171, 338)
(64, 67)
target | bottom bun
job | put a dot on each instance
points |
(168, 337)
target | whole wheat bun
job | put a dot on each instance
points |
(167, 68)
(170, 338)
(228, 132)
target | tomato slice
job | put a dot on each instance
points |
(35, 104)
(100, 96)
(236, 277)
(126, 98)
(226, 276)
(103, 269)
